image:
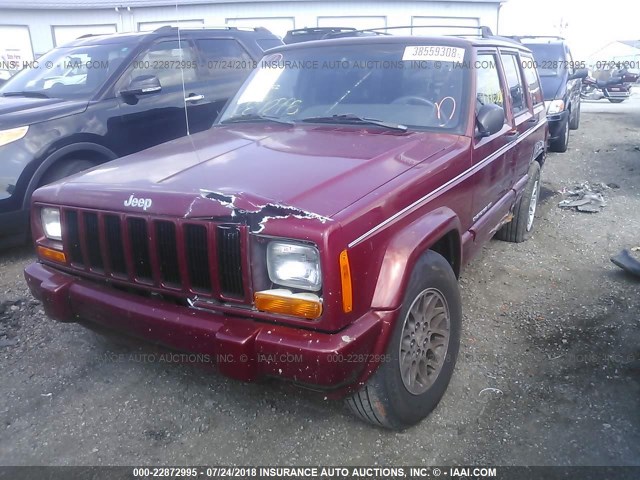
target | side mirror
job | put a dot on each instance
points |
(142, 85)
(490, 119)
(580, 73)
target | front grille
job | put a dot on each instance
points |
(229, 260)
(196, 242)
(139, 241)
(115, 249)
(163, 255)
(72, 237)
(93, 240)
(168, 253)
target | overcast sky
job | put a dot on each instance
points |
(591, 25)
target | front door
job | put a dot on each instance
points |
(154, 118)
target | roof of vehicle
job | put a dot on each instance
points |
(537, 39)
(112, 38)
(458, 41)
(301, 31)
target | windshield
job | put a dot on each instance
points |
(68, 72)
(393, 84)
(550, 59)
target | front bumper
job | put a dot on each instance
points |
(242, 348)
(556, 124)
(621, 93)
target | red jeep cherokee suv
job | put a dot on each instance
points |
(316, 233)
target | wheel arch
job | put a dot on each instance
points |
(88, 150)
(440, 231)
(539, 152)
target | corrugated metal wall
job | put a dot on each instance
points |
(276, 15)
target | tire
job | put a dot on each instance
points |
(616, 100)
(64, 169)
(520, 227)
(574, 124)
(561, 143)
(386, 400)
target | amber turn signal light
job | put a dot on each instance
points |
(51, 254)
(345, 277)
(282, 301)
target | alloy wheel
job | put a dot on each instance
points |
(424, 341)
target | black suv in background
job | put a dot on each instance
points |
(561, 82)
(106, 96)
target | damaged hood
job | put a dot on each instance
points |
(302, 170)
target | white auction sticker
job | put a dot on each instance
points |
(439, 53)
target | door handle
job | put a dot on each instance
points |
(194, 98)
(512, 136)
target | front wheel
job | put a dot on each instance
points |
(574, 124)
(422, 351)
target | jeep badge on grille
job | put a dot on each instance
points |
(143, 203)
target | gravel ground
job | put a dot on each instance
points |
(548, 374)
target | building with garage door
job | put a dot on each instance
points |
(31, 27)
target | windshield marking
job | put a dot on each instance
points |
(442, 53)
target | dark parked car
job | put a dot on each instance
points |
(561, 83)
(324, 33)
(315, 234)
(103, 97)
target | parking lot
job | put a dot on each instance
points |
(548, 372)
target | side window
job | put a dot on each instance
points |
(516, 87)
(533, 81)
(221, 57)
(488, 82)
(168, 61)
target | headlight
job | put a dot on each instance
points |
(554, 106)
(51, 223)
(294, 265)
(13, 134)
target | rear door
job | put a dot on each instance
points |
(491, 154)
(223, 65)
(522, 116)
(535, 142)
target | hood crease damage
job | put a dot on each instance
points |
(255, 216)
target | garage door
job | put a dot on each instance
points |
(276, 25)
(151, 26)
(360, 23)
(15, 45)
(445, 21)
(67, 33)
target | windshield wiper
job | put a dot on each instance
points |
(356, 120)
(252, 117)
(25, 94)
